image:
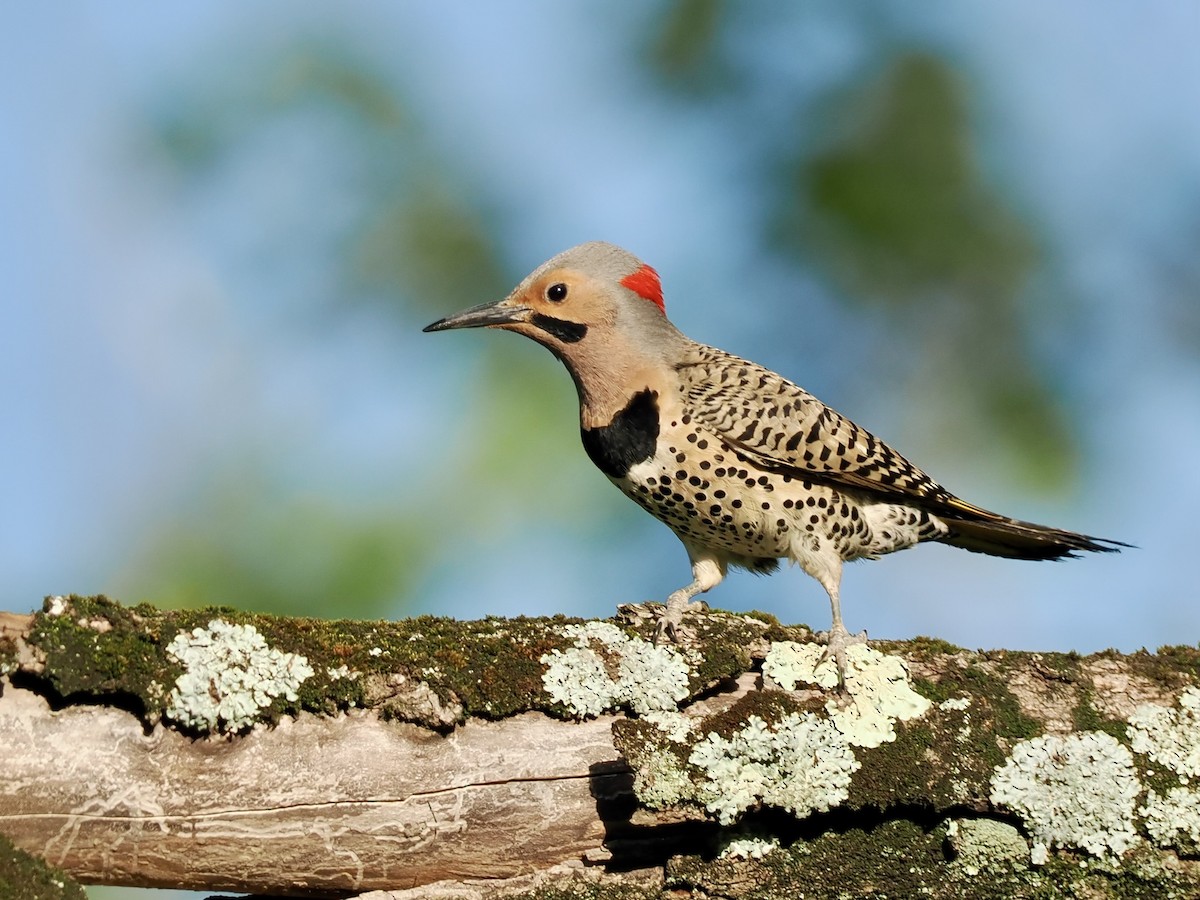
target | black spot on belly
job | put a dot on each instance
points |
(567, 332)
(628, 439)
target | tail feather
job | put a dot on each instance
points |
(982, 531)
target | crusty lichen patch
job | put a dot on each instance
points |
(1170, 738)
(230, 675)
(1173, 819)
(877, 692)
(748, 847)
(801, 764)
(986, 845)
(606, 668)
(1075, 791)
(728, 762)
(790, 751)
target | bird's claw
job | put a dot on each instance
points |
(667, 631)
(837, 641)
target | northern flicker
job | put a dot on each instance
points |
(744, 466)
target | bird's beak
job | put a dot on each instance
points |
(485, 315)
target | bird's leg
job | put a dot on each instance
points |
(837, 639)
(707, 573)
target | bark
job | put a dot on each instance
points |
(410, 763)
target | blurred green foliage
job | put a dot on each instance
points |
(897, 204)
(875, 185)
(415, 236)
(260, 551)
(417, 243)
(895, 209)
(686, 51)
(889, 205)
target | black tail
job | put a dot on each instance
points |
(981, 531)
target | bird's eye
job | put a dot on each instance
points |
(557, 292)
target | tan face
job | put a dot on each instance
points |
(558, 307)
(564, 305)
(599, 310)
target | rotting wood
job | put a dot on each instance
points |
(332, 803)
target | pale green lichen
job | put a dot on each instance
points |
(877, 686)
(986, 845)
(789, 663)
(961, 785)
(230, 676)
(649, 678)
(661, 781)
(1076, 790)
(675, 725)
(802, 764)
(1172, 739)
(1169, 737)
(1170, 816)
(576, 678)
(56, 605)
(748, 848)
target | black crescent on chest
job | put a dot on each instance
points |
(630, 438)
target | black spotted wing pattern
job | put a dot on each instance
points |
(781, 426)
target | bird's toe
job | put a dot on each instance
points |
(837, 641)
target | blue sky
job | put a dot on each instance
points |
(128, 363)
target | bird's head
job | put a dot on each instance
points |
(596, 307)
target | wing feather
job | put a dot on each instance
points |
(782, 427)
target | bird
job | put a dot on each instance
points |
(744, 466)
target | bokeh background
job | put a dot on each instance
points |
(973, 228)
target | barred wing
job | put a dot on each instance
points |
(782, 427)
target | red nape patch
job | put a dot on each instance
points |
(644, 282)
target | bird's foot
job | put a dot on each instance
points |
(667, 631)
(837, 641)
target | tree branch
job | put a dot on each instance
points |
(219, 750)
